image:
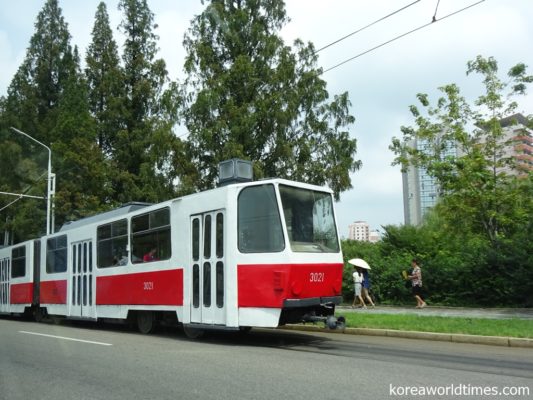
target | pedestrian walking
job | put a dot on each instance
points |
(357, 284)
(365, 286)
(416, 283)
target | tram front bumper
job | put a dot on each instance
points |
(314, 309)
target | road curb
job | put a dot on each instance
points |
(444, 337)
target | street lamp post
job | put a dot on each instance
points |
(51, 185)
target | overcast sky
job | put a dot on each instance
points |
(381, 84)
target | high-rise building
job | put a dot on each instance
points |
(421, 191)
(519, 143)
(359, 230)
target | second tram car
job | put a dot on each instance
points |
(248, 254)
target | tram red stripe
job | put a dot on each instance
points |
(145, 288)
(268, 285)
(53, 292)
(21, 293)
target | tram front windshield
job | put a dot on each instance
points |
(308, 216)
(309, 220)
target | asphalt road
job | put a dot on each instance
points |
(86, 361)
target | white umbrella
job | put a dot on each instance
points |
(359, 262)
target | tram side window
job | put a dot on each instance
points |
(56, 254)
(150, 237)
(18, 263)
(196, 239)
(259, 223)
(112, 244)
(220, 235)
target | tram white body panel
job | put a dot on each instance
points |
(16, 278)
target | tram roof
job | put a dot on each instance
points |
(117, 212)
(134, 206)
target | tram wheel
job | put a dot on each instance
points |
(145, 322)
(38, 314)
(193, 333)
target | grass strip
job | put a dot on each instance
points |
(518, 328)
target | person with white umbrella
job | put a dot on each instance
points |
(365, 284)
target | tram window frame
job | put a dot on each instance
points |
(309, 219)
(207, 237)
(112, 244)
(220, 284)
(151, 230)
(219, 245)
(206, 284)
(56, 254)
(18, 262)
(259, 225)
(196, 285)
(196, 239)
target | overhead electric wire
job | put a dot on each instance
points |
(434, 19)
(435, 13)
(20, 196)
(401, 36)
(368, 26)
(13, 202)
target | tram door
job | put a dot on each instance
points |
(208, 302)
(82, 302)
(5, 274)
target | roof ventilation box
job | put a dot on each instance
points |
(234, 171)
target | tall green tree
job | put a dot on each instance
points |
(81, 171)
(479, 193)
(105, 80)
(146, 145)
(36, 89)
(33, 106)
(251, 96)
(21, 173)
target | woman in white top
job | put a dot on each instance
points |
(357, 284)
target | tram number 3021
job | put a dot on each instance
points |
(148, 285)
(316, 277)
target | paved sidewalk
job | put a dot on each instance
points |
(491, 313)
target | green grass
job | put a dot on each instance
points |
(519, 328)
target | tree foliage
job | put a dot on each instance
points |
(145, 146)
(105, 79)
(251, 96)
(37, 104)
(474, 243)
(476, 184)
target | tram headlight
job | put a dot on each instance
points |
(296, 288)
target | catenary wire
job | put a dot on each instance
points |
(350, 34)
(24, 192)
(435, 13)
(401, 36)
(368, 26)
(13, 202)
(434, 19)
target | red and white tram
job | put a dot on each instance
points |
(247, 254)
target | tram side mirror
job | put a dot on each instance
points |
(233, 171)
